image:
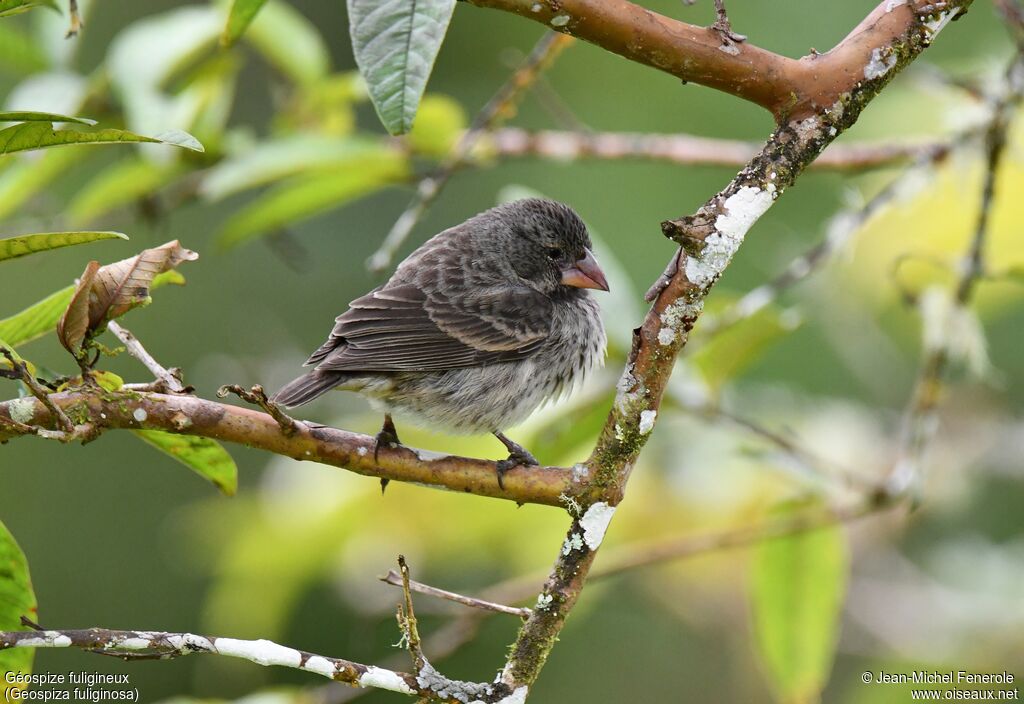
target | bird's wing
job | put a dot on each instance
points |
(402, 328)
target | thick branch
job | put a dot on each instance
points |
(708, 240)
(789, 88)
(189, 415)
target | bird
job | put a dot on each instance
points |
(475, 330)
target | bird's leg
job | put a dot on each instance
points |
(387, 436)
(518, 455)
(723, 25)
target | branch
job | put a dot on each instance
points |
(129, 644)
(682, 149)
(135, 349)
(790, 89)
(189, 415)
(396, 580)
(885, 42)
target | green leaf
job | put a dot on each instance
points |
(42, 317)
(290, 42)
(22, 116)
(204, 456)
(395, 44)
(274, 160)
(798, 585)
(243, 12)
(303, 197)
(13, 247)
(16, 600)
(37, 135)
(118, 185)
(14, 7)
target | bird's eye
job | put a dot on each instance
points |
(554, 253)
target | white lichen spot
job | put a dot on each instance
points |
(559, 20)
(103, 416)
(22, 410)
(429, 456)
(832, 131)
(140, 415)
(729, 48)
(544, 601)
(135, 643)
(573, 542)
(772, 175)
(384, 679)
(738, 214)
(620, 435)
(580, 472)
(881, 63)
(595, 522)
(517, 697)
(647, 421)
(536, 7)
(62, 642)
(666, 336)
(262, 652)
(321, 666)
(362, 451)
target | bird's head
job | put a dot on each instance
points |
(549, 246)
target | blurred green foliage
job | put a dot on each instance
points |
(297, 168)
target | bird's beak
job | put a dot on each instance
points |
(585, 273)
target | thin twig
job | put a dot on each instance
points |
(407, 618)
(76, 24)
(395, 579)
(499, 108)
(134, 346)
(821, 466)
(39, 391)
(258, 397)
(681, 149)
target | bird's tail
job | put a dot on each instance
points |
(308, 387)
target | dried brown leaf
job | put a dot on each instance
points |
(123, 285)
(107, 292)
(74, 324)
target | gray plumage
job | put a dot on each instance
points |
(476, 328)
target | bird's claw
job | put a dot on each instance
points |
(516, 459)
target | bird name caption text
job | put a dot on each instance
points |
(75, 686)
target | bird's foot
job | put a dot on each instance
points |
(518, 456)
(257, 397)
(387, 437)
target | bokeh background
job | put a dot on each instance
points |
(120, 536)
